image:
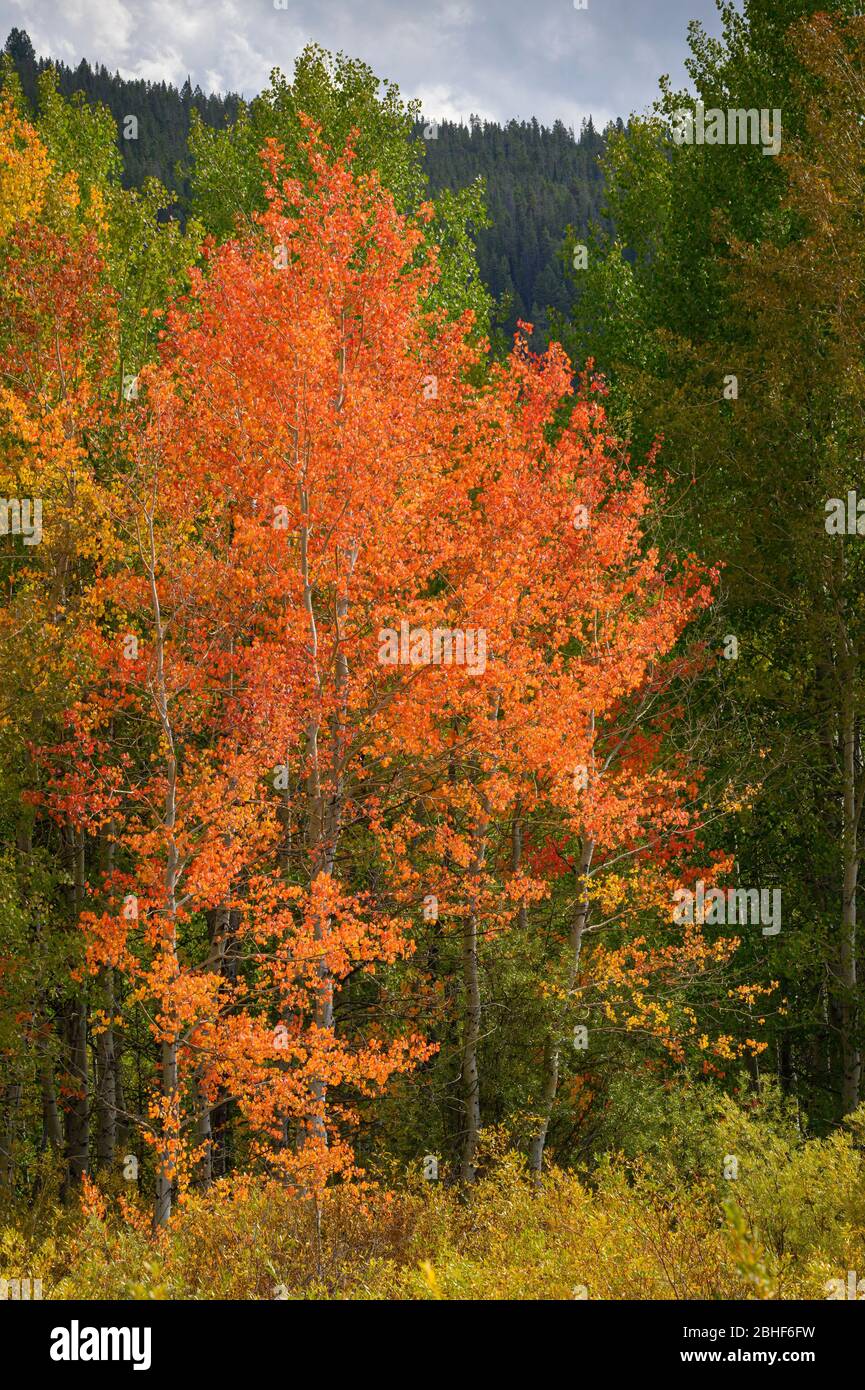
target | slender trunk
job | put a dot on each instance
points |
(517, 858)
(553, 1042)
(121, 1108)
(77, 1116)
(284, 817)
(472, 1024)
(325, 796)
(106, 1064)
(77, 1111)
(471, 1037)
(219, 922)
(204, 1141)
(52, 1127)
(221, 1147)
(320, 853)
(165, 1171)
(851, 1060)
(8, 1123)
(222, 1155)
(170, 1119)
(106, 1074)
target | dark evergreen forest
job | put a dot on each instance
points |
(539, 182)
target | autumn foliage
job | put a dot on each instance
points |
(351, 640)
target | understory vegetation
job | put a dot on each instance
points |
(663, 1223)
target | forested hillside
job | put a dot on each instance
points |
(163, 113)
(538, 181)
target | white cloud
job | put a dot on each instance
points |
(496, 58)
(441, 103)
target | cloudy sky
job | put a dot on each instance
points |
(495, 58)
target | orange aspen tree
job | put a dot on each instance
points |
(580, 622)
(281, 454)
(368, 613)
